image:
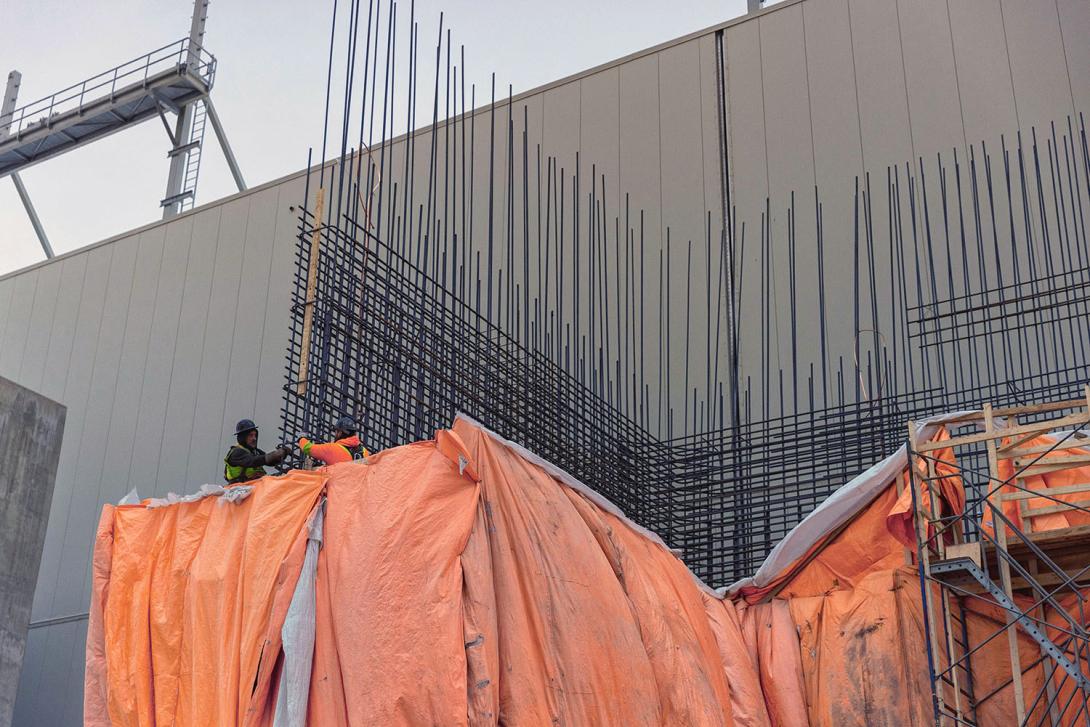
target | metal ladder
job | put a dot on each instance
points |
(193, 156)
(955, 569)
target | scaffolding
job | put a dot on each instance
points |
(1020, 468)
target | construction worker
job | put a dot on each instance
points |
(244, 461)
(344, 447)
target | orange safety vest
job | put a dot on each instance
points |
(342, 450)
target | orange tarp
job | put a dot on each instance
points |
(185, 602)
(1043, 483)
(461, 581)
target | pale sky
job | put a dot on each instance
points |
(270, 87)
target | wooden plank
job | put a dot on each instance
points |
(1071, 419)
(972, 551)
(1044, 469)
(1053, 509)
(1065, 490)
(312, 284)
(1020, 410)
(1073, 443)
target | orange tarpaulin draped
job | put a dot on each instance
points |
(949, 494)
(187, 599)
(858, 550)
(864, 658)
(1013, 509)
(95, 689)
(836, 559)
(746, 697)
(389, 632)
(461, 581)
(773, 644)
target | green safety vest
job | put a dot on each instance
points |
(240, 474)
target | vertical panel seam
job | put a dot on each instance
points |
(809, 103)
(177, 328)
(147, 346)
(855, 85)
(200, 359)
(904, 79)
(658, 95)
(52, 321)
(113, 403)
(268, 286)
(72, 492)
(1010, 66)
(1067, 62)
(957, 79)
(18, 367)
(233, 341)
(764, 106)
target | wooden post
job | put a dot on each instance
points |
(312, 283)
(995, 499)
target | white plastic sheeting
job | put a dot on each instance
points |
(298, 633)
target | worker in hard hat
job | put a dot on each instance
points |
(344, 447)
(244, 461)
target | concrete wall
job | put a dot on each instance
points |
(158, 340)
(31, 432)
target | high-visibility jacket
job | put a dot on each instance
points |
(342, 450)
(241, 464)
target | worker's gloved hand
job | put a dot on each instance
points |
(276, 456)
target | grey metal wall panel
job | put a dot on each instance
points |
(838, 150)
(748, 152)
(685, 197)
(710, 160)
(178, 424)
(40, 326)
(274, 338)
(562, 112)
(76, 387)
(62, 332)
(791, 170)
(599, 115)
(18, 325)
(125, 438)
(7, 290)
(219, 331)
(648, 170)
(1075, 27)
(92, 452)
(787, 104)
(980, 50)
(240, 398)
(25, 700)
(1038, 66)
(834, 114)
(73, 699)
(930, 77)
(745, 90)
(880, 83)
(151, 414)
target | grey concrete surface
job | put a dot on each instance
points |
(31, 432)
